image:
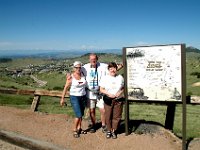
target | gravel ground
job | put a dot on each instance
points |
(57, 129)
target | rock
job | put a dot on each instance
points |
(194, 144)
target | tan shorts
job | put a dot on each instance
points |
(93, 103)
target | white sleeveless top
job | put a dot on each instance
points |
(78, 86)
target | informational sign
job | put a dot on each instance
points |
(154, 72)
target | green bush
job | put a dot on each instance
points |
(5, 60)
(195, 73)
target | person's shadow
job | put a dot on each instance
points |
(139, 127)
(136, 126)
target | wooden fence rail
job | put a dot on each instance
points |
(36, 93)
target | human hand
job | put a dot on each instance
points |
(62, 102)
(117, 94)
(67, 93)
(111, 95)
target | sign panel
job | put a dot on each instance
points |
(154, 72)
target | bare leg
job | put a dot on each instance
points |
(102, 112)
(87, 113)
(93, 120)
(92, 116)
(79, 123)
(76, 123)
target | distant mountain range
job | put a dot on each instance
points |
(63, 53)
(52, 53)
(192, 49)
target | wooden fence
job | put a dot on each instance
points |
(171, 107)
(36, 93)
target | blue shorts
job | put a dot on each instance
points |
(78, 104)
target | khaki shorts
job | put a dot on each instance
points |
(93, 103)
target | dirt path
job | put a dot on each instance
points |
(56, 128)
(40, 82)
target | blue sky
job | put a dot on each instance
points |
(97, 24)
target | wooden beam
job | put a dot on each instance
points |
(35, 103)
(49, 93)
(25, 92)
(16, 91)
(52, 93)
(8, 91)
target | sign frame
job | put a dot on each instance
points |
(183, 89)
(136, 68)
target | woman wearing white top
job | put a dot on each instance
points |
(112, 86)
(77, 83)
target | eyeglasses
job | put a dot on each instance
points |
(77, 67)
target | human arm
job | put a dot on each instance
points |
(67, 85)
(104, 91)
(68, 76)
(119, 93)
(119, 67)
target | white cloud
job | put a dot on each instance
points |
(85, 47)
(5, 44)
(141, 43)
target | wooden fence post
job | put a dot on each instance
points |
(35, 103)
(169, 121)
(127, 131)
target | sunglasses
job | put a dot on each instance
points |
(77, 67)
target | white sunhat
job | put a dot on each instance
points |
(77, 63)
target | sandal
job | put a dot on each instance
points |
(108, 135)
(104, 129)
(76, 134)
(81, 131)
(114, 135)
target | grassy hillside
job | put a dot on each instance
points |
(23, 62)
(192, 72)
(56, 80)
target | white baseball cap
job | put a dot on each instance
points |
(77, 63)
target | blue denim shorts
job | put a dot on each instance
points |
(78, 104)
